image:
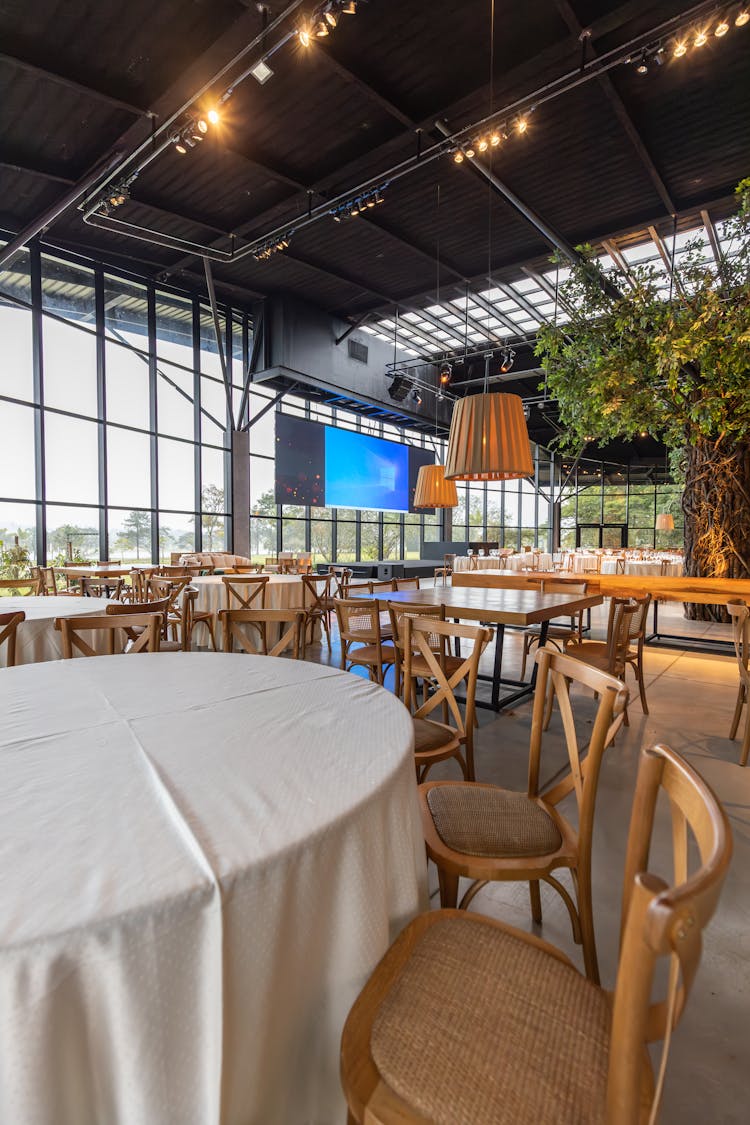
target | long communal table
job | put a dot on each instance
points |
(663, 588)
(496, 607)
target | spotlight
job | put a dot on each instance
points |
(213, 116)
(507, 358)
(180, 146)
(304, 37)
(417, 397)
(701, 39)
(680, 49)
(350, 9)
(642, 67)
(399, 388)
(644, 433)
(354, 211)
(522, 125)
(445, 373)
(202, 124)
(721, 29)
(371, 202)
(470, 152)
(743, 17)
(483, 145)
(458, 156)
(261, 72)
(495, 140)
(331, 18)
(321, 29)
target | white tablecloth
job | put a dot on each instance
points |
(203, 858)
(520, 562)
(37, 639)
(484, 562)
(637, 567)
(282, 592)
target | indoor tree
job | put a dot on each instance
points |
(674, 360)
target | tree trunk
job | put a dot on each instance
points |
(716, 504)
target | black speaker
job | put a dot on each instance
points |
(399, 388)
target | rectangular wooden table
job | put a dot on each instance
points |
(103, 570)
(519, 608)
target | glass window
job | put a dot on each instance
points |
(72, 532)
(130, 535)
(69, 350)
(263, 538)
(370, 548)
(176, 474)
(176, 534)
(321, 536)
(72, 459)
(17, 521)
(17, 471)
(128, 468)
(15, 330)
(346, 541)
(127, 377)
(262, 433)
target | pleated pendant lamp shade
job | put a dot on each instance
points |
(433, 490)
(488, 439)
(664, 522)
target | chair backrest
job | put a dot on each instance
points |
(259, 620)
(178, 571)
(406, 583)
(740, 615)
(9, 623)
(387, 584)
(399, 611)
(23, 587)
(621, 611)
(146, 640)
(659, 920)
(102, 587)
(584, 761)
(359, 620)
(245, 589)
(418, 637)
(160, 588)
(316, 592)
(49, 580)
(637, 623)
(341, 577)
(109, 562)
(127, 609)
(553, 586)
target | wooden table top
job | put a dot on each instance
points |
(501, 607)
(109, 569)
(711, 591)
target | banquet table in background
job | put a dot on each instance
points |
(644, 567)
(541, 561)
(476, 562)
(204, 856)
(37, 639)
(282, 592)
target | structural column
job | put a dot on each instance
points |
(241, 492)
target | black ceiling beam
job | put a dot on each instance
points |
(264, 164)
(83, 88)
(368, 90)
(7, 161)
(619, 109)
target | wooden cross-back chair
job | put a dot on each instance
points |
(103, 588)
(559, 633)
(488, 834)
(469, 1020)
(9, 623)
(360, 625)
(398, 612)
(262, 622)
(125, 609)
(137, 591)
(341, 577)
(445, 571)
(246, 590)
(435, 741)
(49, 584)
(740, 616)
(406, 583)
(23, 587)
(141, 630)
(317, 604)
(158, 588)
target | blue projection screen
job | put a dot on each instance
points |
(366, 472)
(322, 466)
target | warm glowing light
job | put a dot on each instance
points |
(470, 152)
(458, 157)
(304, 37)
(680, 50)
(181, 147)
(701, 39)
(483, 145)
(350, 9)
(331, 18)
(213, 116)
(742, 18)
(495, 140)
(522, 125)
(721, 29)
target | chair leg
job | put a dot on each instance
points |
(746, 740)
(586, 918)
(641, 687)
(448, 888)
(536, 901)
(526, 650)
(737, 710)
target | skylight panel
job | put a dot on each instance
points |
(525, 285)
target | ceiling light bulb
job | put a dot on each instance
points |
(213, 116)
(181, 147)
(495, 140)
(304, 37)
(522, 125)
(321, 29)
(202, 124)
(470, 152)
(370, 202)
(350, 8)
(642, 67)
(701, 39)
(458, 156)
(331, 18)
(483, 145)
(721, 29)
(680, 50)
(742, 18)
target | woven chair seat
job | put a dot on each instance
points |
(430, 737)
(595, 653)
(487, 821)
(483, 1027)
(553, 630)
(368, 654)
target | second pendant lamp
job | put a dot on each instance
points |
(489, 439)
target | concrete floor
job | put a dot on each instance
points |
(691, 700)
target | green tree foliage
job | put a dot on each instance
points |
(135, 534)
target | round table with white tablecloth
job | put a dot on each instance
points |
(204, 856)
(282, 592)
(541, 561)
(479, 562)
(37, 639)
